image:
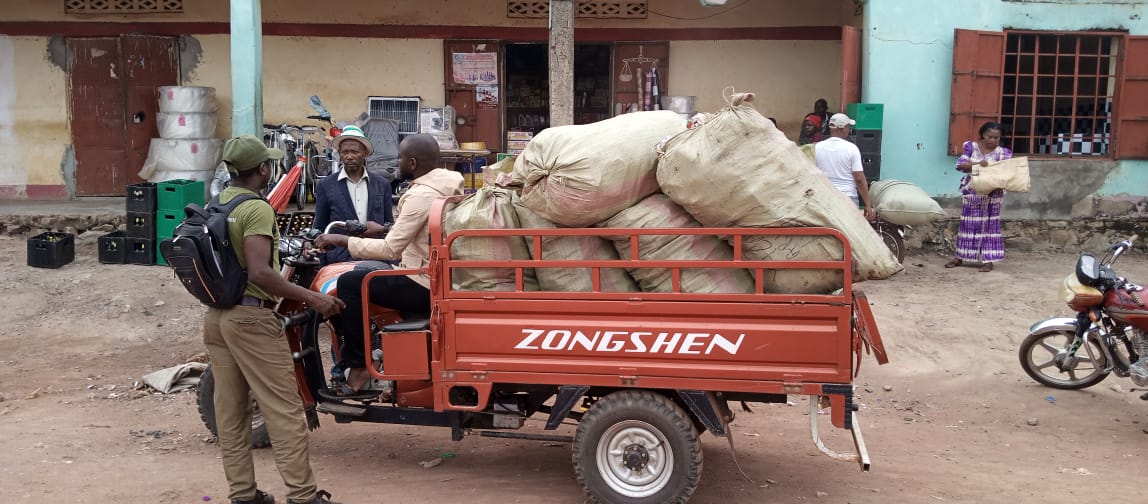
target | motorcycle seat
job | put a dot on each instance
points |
(408, 325)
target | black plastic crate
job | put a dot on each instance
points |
(872, 165)
(141, 225)
(140, 250)
(51, 250)
(868, 141)
(141, 197)
(113, 249)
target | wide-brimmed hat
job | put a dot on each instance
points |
(246, 152)
(354, 133)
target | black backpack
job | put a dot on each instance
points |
(202, 256)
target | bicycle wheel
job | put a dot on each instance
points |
(893, 240)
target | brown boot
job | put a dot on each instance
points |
(261, 497)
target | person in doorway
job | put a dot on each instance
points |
(408, 240)
(810, 130)
(249, 355)
(821, 109)
(979, 237)
(353, 194)
(840, 160)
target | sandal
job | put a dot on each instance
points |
(346, 392)
(986, 267)
(954, 263)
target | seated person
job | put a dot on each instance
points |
(408, 240)
(352, 194)
(810, 130)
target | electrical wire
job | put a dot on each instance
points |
(730, 9)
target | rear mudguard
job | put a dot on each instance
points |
(1053, 325)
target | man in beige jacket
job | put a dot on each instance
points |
(408, 240)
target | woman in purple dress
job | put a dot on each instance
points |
(979, 237)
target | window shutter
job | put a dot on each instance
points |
(850, 66)
(1131, 134)
(978, 65)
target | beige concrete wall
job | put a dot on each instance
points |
(662, 13)
(343, 72)
(34, 132)
(787, 76)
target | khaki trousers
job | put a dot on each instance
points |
(249, 354)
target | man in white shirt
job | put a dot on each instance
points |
(840, 160)
(353, 194)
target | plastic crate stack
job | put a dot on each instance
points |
(867, 135)
(154, 209)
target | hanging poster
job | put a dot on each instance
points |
(487, 96)
(475, 68)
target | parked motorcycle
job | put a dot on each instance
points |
(1109, 333)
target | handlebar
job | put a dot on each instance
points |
(1119, 248)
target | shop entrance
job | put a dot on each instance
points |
(527, 88)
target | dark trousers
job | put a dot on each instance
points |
(395, 292)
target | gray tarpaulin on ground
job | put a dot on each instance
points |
(175, 378)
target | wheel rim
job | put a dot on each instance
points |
(256, 416)
(1042, 359)
(635, 459)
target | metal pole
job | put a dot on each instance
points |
(561, 62)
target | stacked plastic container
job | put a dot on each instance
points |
(186, 148)
(867, 135)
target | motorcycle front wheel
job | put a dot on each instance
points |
(1041, 353)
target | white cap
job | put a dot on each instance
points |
(840, 120)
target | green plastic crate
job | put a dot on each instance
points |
(165, 224)
(501, 156)
(869, 116)
(176, 194)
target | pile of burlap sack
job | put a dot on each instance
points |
(647, 170)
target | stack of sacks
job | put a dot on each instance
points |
(573, 248)
(657, 211)
(738, 169)
(186, 148)
(580, 175)
(487, 208)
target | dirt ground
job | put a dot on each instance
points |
(948, 420)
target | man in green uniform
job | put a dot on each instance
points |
(249, 353)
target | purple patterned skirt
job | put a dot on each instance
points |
(979, 237)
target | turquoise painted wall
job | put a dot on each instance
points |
(907, 65)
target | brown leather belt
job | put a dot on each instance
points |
(254, 301)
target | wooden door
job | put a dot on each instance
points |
(148, 62)
(96, 100)
(476, 121)
(632, 60)
(112, 98)
(978, 75)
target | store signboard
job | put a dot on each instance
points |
(475, 68)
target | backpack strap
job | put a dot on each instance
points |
(227, 208)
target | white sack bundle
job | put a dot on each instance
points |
(572, 248)
(657, 211)
(579, 175)
(903, 203)
(185, 124)
(487, 208)
(186, 99)
(738, 169)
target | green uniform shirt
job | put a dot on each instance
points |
(251, 218)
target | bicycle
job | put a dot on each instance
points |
(893, 235)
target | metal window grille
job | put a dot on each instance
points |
(1058, 91)
(122, 6)
(404, 109)
(610, 9)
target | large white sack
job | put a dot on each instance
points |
(580, 175)
(657, 211)
(185, 124)
(182, 155)
(186, 99)
(486, 208)
(738, 169)
(573, 248)
(904, 203)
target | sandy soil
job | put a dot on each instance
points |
(947, 421)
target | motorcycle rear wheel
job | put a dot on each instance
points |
(1038, 354)
(260, 438)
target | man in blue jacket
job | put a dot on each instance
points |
(352, 193)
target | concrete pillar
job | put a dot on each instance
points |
(561, 62)
(246, 68)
